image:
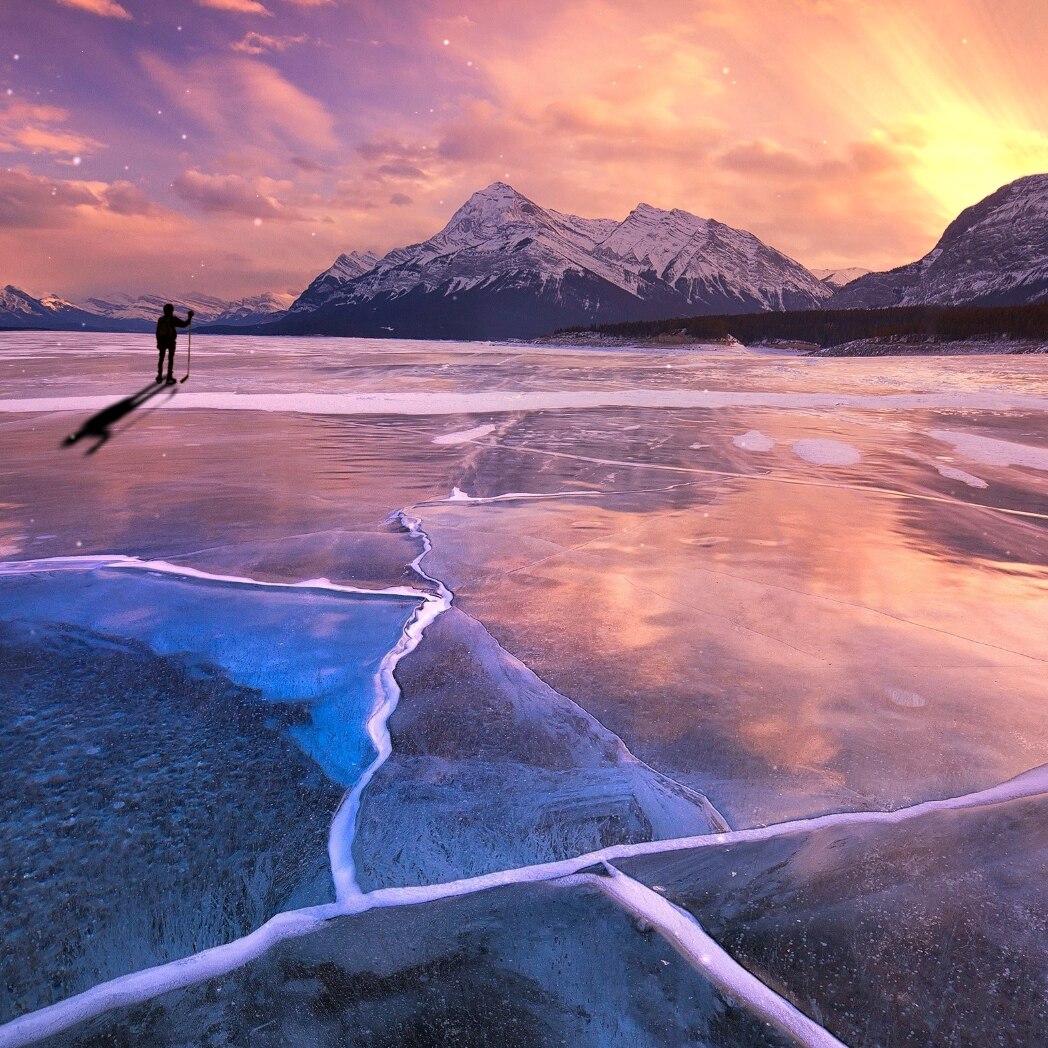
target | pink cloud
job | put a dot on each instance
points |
(29, 201)
(27, 127)
(246, 103)
(125, 198)
(237, 195)
(402, 169)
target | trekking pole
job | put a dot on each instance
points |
(189, 349)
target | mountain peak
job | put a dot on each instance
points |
(492, 208)
(498, 190)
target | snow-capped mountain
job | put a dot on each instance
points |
(19, 309)
(259, 309)
(837, 278)
(994, 253)
(269, 306)
(503, 266)
(344, 269)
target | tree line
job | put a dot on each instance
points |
(832, 327)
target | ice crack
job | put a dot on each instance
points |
(343, 825)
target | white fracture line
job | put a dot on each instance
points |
(688, 937)
(343, 825)
(146, 984)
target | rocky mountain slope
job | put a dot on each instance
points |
(330, 283)
(994, 253)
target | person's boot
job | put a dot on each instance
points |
(171, 380)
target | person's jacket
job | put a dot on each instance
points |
(167, 329)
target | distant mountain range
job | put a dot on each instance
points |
(837, 278)
(506, 267)
(18, 309)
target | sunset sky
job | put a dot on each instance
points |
(237, 146)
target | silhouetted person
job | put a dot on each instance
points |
(167, 327)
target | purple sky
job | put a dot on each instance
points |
(235, 146)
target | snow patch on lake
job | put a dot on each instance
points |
(910, 700)
(992, 451)
(464, 436)
(958, 474)
(753, 440)
(827, 452)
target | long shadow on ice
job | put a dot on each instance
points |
(99, 426)
(491, 768)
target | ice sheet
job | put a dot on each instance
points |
(647, 614)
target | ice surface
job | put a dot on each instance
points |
(326, 665)
(515, 968)
(753, 440)
(491, 768)
(646, 615)
(146, 812)
(214, 786)
(992, 450)
(743, 631)
(932, 932)
(465, 435)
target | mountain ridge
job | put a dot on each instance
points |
(503, 266)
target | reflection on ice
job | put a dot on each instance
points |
(691, 590)
(746, 639)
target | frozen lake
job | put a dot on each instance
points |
(460, 693)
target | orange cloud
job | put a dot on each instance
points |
(243, 7)
(104, 8)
